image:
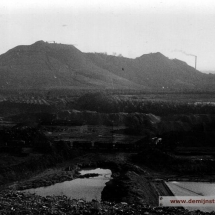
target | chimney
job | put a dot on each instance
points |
(195, 62)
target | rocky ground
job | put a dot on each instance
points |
(18, 203)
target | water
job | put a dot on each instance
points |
(80, 188)
(193, 189)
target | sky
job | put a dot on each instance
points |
(176, 28)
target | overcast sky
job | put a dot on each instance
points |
(131, 28)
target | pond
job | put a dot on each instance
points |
(181, 188)
(80, 188)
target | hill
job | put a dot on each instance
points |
(51, 65)
(155, 71)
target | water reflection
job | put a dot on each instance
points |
(80, 188)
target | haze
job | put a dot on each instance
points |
(130, 28)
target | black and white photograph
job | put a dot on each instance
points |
(107, 107)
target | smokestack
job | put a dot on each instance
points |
(195, 62)
(188, 55)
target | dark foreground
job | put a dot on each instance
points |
(16, 202)
(41, 155)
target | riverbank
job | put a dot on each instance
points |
(14, 168)
(129, 182)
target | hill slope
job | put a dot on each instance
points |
(51, 65)
(54, 65)
(155, 71)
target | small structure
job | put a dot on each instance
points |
(156, 140)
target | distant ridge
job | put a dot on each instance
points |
(53, 65)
